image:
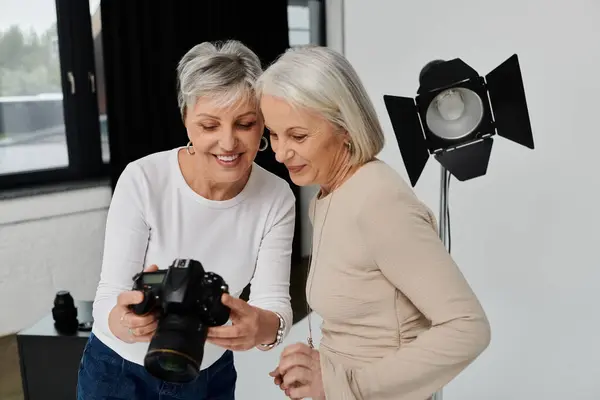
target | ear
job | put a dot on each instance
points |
(345, 135)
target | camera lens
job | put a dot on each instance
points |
(177, 348)
(64, 313)
(172, 363)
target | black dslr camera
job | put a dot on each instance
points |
(187, 300)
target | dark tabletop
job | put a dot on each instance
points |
(45, 326)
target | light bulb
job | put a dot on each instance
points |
(450, 105)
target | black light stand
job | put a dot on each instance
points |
(444, 220)
(454, 117)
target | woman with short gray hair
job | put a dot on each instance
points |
(210, 202)
(399, 319)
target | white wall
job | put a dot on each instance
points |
(526, 234)
(49, 243)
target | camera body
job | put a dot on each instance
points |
(187, 301)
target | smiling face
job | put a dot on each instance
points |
(225, 140)
(312, 148)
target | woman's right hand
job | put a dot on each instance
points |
(127, 326)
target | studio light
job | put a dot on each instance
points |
(454, 117)
(456, 114)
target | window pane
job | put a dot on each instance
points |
(32, 128)
(298, 25)
(298, 17)
(299, 37)
(99, 60)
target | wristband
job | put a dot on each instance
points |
(279, 337)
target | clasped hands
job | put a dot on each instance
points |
(299, 373)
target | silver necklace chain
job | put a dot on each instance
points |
(310, 268)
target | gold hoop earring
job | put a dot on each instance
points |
(265, 143)
(189, 148)
(349, 146)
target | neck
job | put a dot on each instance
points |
(218, 191)
(207, 188)
(341, 171)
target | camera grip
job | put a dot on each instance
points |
(145, 306)
(220, 314)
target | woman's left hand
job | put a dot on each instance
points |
(243, 333)
(299, 372)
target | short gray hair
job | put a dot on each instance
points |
(224, 71)
(322, 80)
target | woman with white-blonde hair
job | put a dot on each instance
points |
(399, 319)
(210, 202)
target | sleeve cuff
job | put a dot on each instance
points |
(337, 381)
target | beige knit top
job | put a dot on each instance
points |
(399, 319)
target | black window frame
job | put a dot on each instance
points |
(80, 105)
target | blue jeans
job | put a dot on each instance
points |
(103, 374)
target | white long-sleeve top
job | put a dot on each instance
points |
(155, 217)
